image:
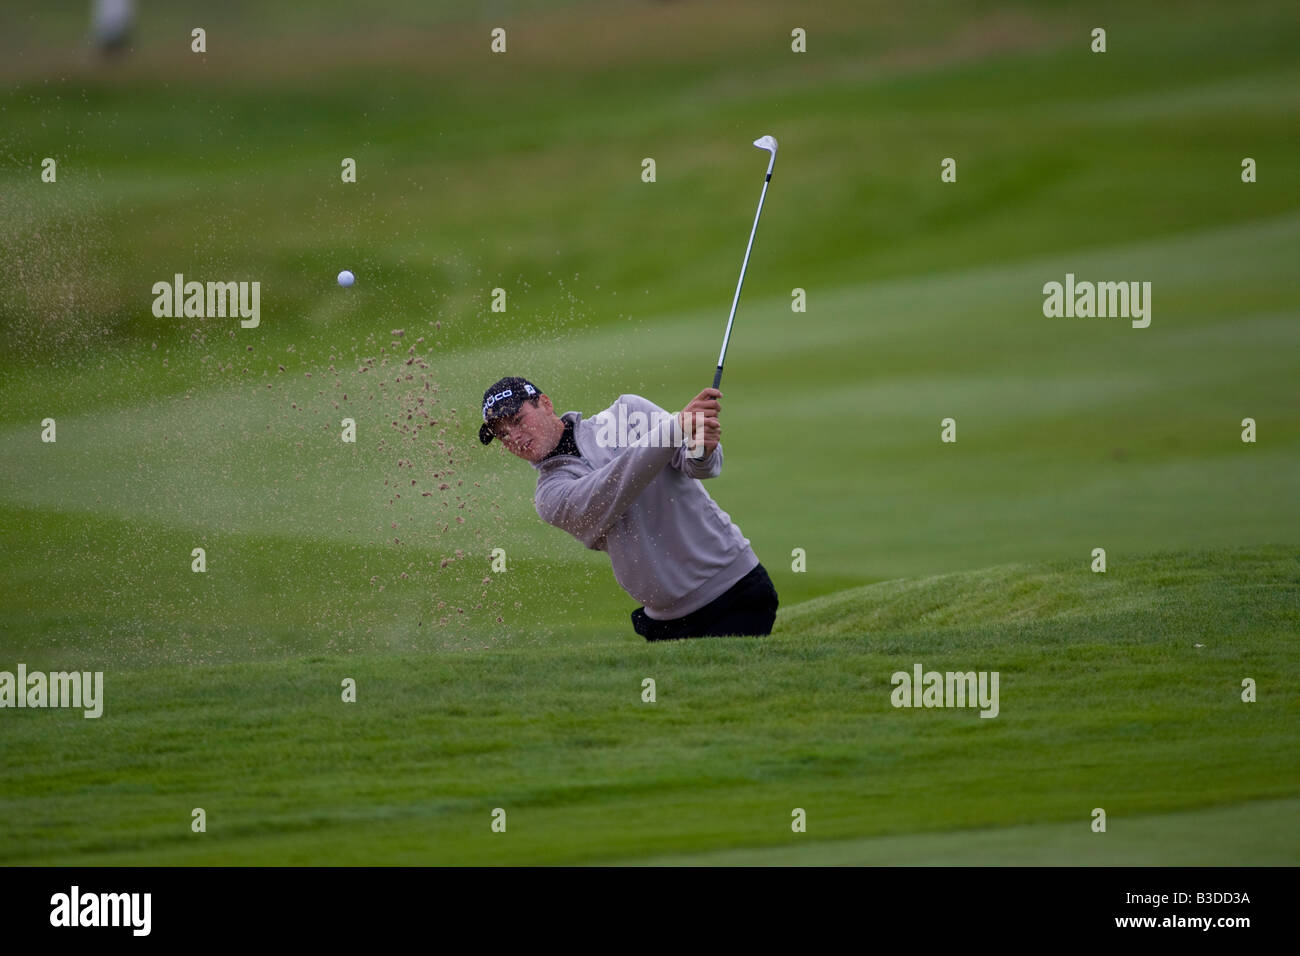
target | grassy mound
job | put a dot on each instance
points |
(1152, 593)
(1120, 691)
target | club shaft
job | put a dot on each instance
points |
(717, 375)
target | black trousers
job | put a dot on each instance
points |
(747, 608)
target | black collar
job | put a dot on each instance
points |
(567, 444)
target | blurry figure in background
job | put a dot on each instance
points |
(111, 23)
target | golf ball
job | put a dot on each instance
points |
(346, 278)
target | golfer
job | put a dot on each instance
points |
(625, 482)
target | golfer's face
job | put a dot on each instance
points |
(525, 433)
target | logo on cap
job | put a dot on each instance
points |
(493, 399)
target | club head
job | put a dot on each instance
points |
(768, 143)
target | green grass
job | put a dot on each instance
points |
(1105, 700)
(1253, 834)
(478, 690)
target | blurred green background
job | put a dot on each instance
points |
(523, 171)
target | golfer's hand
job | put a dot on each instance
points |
(700, 419)
(708, 402)
(711, 434)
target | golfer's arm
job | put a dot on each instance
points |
(587, 507)
(710, 466)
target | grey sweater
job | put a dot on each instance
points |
(640, 501)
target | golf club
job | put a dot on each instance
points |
(768, 143)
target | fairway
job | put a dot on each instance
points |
(1263, 833)
(479, 688)
(1119, 692)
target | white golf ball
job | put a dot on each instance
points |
(346, 278)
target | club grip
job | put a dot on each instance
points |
(717, 377)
